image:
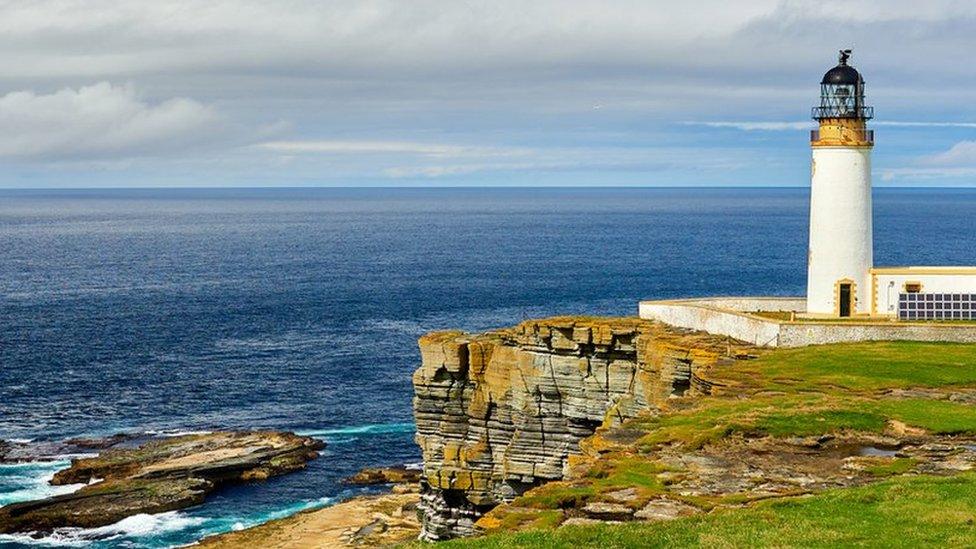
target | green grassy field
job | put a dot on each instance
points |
(900, 512)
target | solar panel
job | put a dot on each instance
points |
(919, 306)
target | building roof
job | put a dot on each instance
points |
(842, 74)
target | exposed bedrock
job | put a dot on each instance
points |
(161, 475)
(501, 412)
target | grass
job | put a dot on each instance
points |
(530, 519)
(556, 495)
(889, 467)
(900, 512)
(938, 416)
(604, 476)
(785, 316)
(819, 422)
(860, 367)
(782, 416)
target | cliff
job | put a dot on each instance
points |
(502, 412)
(684, 425)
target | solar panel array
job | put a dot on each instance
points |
(919, 306)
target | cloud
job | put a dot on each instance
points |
(444, 89)
(962, 154)
(755, 126)
(346, 36)
(589, 159)
(789, 126)
(958, 160)
(433, 150)
(98, 121)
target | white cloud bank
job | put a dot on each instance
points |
(958, 160)
(98, 121)
(458, 87)
(432, 150)
(802, 125)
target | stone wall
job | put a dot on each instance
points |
(502, 412)
(730, 317)
(818, 333)
(724, 316)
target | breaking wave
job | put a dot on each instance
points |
(160, 530)
(136, 526)
(31, 480)
(372, 429)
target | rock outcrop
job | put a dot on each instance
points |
(505, 411)
(21, 451)
(384, 475)
(388, 520)
(161, 475)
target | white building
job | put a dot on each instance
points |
(841, 278)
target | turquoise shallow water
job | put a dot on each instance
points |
(299, 309)
(231, 509)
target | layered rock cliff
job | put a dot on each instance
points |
(505, 411)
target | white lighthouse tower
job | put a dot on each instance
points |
(841, 242)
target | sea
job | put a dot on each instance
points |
(183, 310)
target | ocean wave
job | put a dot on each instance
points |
(370, 429)
(220, 525)
(32, 480)
(138, 530)
(52, 465)
(136, 526)
(340, 440)
(77, 455)
(174, 433)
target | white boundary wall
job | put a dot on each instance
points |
(730, 316)
(725, 316)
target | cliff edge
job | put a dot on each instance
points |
(503, 412)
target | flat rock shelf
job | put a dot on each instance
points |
(159, 476)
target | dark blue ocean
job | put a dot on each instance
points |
(299, 309)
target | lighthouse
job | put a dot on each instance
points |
(888, 303)
(840, 256)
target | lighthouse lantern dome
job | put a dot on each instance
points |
(842, 93)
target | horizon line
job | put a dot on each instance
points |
(423, 187)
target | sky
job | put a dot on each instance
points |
(460, 92)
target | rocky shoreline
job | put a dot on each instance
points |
(573, 421)
(365, 521)
(157, 476)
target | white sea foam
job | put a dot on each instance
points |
(132, 527)
(32, 480)
(224, 524)
(142, 525)
(53, 465)
(372, 429)
(175, 433)
(79, 455)
(130, 530)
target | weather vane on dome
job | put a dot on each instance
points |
(844, 56)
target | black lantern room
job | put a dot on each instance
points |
(842, 93)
